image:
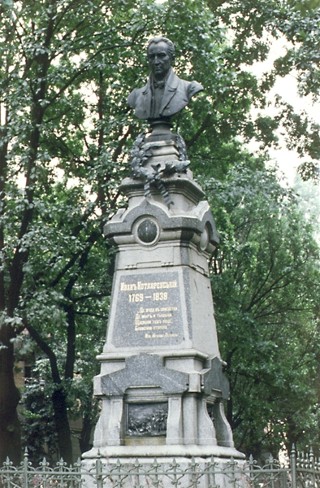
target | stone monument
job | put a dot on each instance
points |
(162, 384)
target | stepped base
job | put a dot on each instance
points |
(158, 451)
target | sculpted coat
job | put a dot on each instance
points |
(176, 95)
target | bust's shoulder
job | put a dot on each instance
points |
(190, 87)
(136, 92)
(133, 97)
(194, 87)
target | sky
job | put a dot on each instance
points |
(286, 87)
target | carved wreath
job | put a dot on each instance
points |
(152, 175)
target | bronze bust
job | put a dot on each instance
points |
(165, 94)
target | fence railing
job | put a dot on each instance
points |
(299, 471)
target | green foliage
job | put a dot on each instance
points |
(253, 27)
(38, 426)
(65, 130)
(266, 284)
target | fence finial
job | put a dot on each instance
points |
(311, 457)
(293, 467)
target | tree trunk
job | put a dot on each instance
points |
(85, 437)
(10, 440)
(62, 424)
(58, 398)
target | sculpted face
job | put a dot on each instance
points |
(159, 59)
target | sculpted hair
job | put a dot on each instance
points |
(171, 48)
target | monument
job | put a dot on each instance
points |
(162, 384)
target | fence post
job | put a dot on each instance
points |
(312, 467)
(25, 468)
(175, 479)
(99, 476)
(251, 469)
(293, 467)
(233, 476)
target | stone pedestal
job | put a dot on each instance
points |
(161, 383)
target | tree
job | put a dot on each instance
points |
(266, 287)
(66, 69)
(61, 124)
(253, 26)
(47, 231)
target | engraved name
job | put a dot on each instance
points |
(153, 285)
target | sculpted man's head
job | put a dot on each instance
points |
(164, 94)
(161, 53)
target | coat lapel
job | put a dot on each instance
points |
(169, 91)
(146, 96)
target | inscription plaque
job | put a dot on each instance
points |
(148, 310)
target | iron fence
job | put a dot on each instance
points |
(299, 471)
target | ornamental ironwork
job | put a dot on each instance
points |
(299, 471)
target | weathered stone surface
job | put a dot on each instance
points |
(161, 346)
(144, 370)
(215, 379)
(195, 221)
